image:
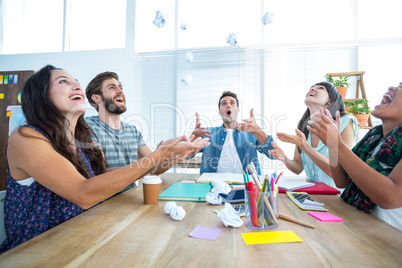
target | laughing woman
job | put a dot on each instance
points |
(372, 172)
(310, 154)
(54, 170)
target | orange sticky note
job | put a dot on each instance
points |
(8, 114)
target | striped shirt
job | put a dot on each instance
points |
(119, 145)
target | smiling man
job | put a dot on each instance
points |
(121, 142)
(233, 145)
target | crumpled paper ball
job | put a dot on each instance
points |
(183, 26)
(268, 18)
(177, 213)
(232, 39)
(189, 56)
(219, 187)
(229, 216)
(160, 19)
(186, 80)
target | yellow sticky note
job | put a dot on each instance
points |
(1, 96)
(270, 237)
(8, 114)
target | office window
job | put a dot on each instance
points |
(209, 22)
(95, 24)
(38, 26)
(309, 21)
(31, 26)
(148, 37)
(380, 19)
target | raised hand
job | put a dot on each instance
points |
(277, 152)
(249, 125)
(299, 139)
(317, 116)
(198, 130)
(325, 128)
(176, 149)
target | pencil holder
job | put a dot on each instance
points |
(261, 209)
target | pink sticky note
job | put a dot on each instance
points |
(324, 216)
(205, 233)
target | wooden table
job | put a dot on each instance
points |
(123, 232)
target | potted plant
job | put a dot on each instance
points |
(360, 109)
(341, 84)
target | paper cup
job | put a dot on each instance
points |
(150, 186)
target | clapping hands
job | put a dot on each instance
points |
(322, 125)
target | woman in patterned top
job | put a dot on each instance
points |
(372, 172)
(54, 169)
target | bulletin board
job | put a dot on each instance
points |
(11, 84)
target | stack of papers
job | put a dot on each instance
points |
(226, 177)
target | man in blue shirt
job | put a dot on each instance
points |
(233, 145)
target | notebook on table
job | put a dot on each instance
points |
(178, 191)
(226, 177)
(292, 184)
(318, 188)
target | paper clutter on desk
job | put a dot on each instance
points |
(229, 216)
(219, 187)
(177, 213)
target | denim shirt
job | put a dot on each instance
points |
(246, 146)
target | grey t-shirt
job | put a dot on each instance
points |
(119, 145)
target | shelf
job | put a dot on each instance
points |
(359, 89)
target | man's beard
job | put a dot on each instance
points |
(111, 107)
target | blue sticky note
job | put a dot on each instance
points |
(16, 79)
(10, 79)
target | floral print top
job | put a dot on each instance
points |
(380, 153)
(34, 209)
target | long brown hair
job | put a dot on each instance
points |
(41, 113)
(336, 104)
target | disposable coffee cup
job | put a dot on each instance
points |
(150, 186)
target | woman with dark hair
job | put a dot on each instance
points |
(371, 172)
(54, 169)
(311, 155)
